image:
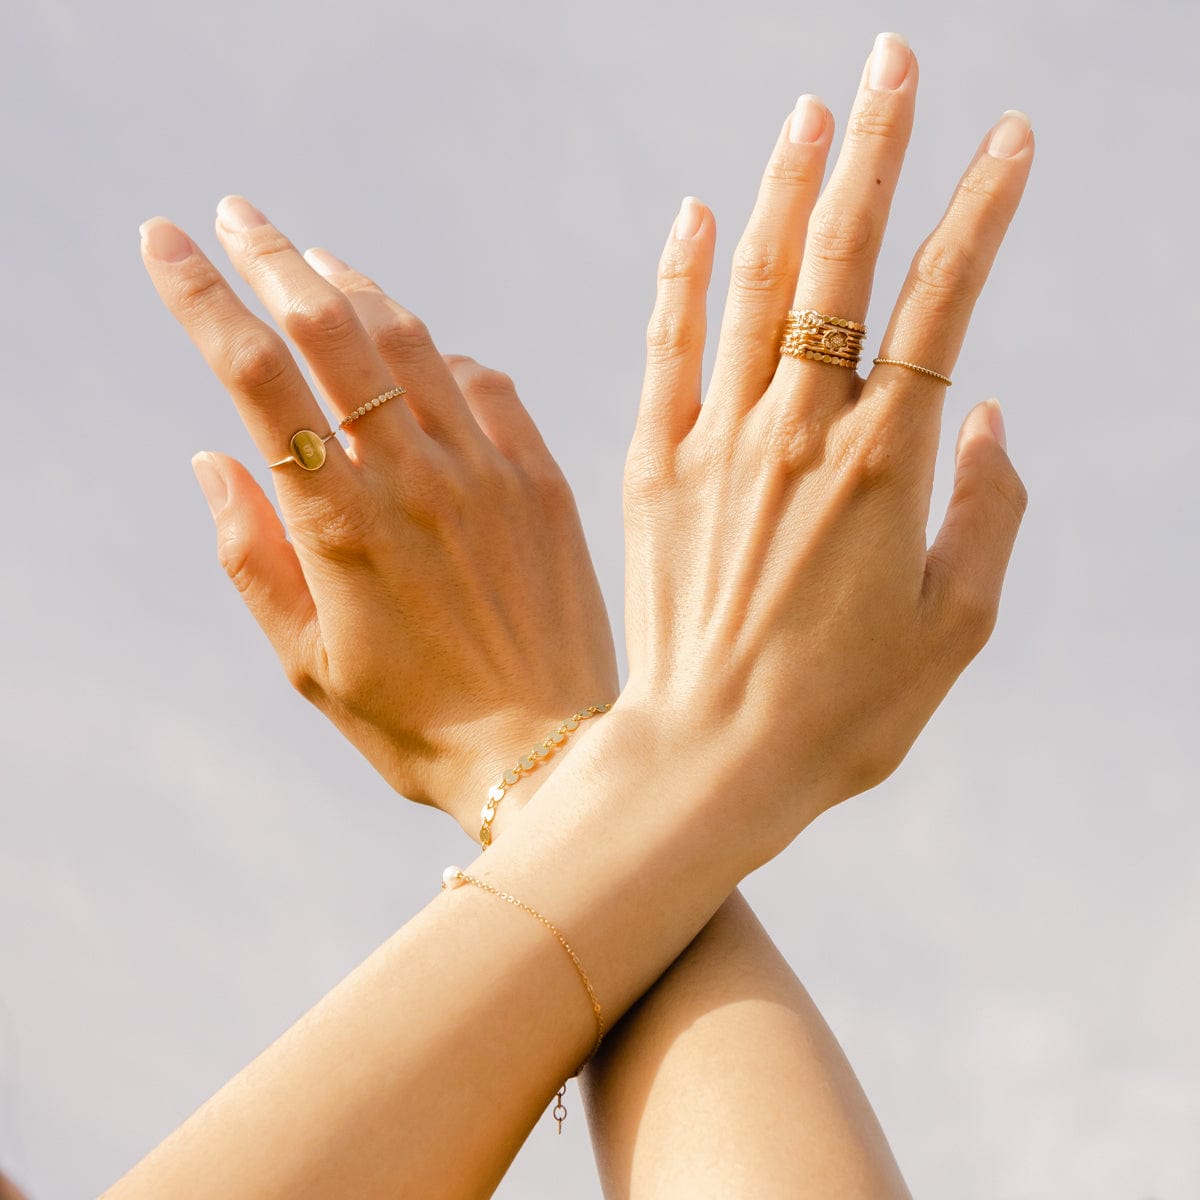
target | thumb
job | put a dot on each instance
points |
(256, 555)
(966, 563)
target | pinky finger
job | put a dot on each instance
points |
(677, 329)
(261, 563)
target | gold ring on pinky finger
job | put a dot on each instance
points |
(899, 362)
(822, 338)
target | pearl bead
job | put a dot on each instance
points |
(450, 877)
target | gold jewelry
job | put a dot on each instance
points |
(308, 448)
(453, 877)
(548, 745)
(899, 362)
(821, 338)
(363, 409)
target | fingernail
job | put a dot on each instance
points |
(1010, 136)
(808, 120)
(211, 481)
(687, 224)
(237, 213)
(323, 262)
(996, 421)
(165, 242)
(889, 62)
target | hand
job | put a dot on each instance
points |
(436, 600)
(781, 597)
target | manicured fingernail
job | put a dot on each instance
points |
(808, 120)
(687, 224)
(996, 421)
(890, 61)
(211, 481)
(237, 213)
(1010, 136)
(323, 262)
(165, 242)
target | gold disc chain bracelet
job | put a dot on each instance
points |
(552, 741)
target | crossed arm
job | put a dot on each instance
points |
(800, 497)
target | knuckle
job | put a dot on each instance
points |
(946, 270)
(233, 553)
(320, 319)
(679, 262)
(791, 437)
(302, 679)
(866, 455)
(547, 481)
(785, 173)
(649, 468)
(975, 613)
(981, 182)
(878, 117)
(671, 335)
(761, 267)
(402, 336)
(195, 290)
(486, 381)
(842, 236)
(258, 361)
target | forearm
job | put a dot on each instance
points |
(422, 1073)
(724, 1080)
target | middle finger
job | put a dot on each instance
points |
(323, 324)
(847, 226)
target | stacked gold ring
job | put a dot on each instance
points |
(822, 338)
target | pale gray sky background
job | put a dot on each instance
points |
(1004, 935)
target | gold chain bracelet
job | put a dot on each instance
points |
(538, 754)
(453, 877)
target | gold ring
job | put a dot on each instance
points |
(899, 362)
(308, 450)
(363, 409)
(822, 338)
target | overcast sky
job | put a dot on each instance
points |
(1003, 936)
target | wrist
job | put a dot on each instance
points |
(507, 758)
(775, 787)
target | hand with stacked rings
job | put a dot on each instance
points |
(789, 630)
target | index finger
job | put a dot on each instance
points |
(246, 355)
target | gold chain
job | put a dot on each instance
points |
(529, 762)
(454, 877)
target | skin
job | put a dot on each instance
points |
(8, 1190)
(798, 491)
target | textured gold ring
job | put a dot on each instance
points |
(819, 337)
(899, 362)
(308, 448)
